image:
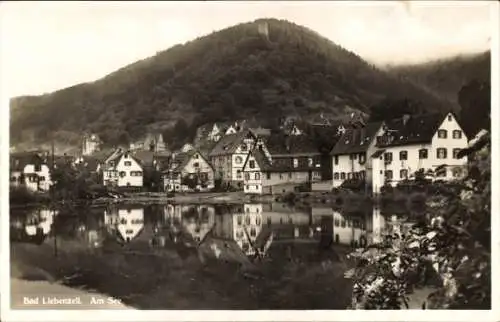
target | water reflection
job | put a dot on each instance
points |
(216, 231)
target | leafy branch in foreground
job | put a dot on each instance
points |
(446, 251)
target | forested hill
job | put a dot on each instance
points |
(265, 69)
(446, 77)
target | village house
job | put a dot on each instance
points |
(280, 163)
(189, 171)
(229, 154)
(122, 169)
(422, 142)
(91, 143)
(351, 154)
(30, 169)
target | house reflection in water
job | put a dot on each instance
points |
(242, 225)
(39, 222)
(34, 226)
(195, 220)
(127, 223)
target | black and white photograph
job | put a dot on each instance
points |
(289, 157)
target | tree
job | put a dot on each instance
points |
(388, 109)
(452, 242)
(475, 100)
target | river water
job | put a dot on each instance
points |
(181, 256)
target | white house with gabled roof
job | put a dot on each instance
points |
(122, 169)
(429, 142)
(351, 154)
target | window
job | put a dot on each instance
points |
(388, 174)
(356, 175)
(336, 222)
(403, 155)
(248, 187)
(257, 187)
(450, 118)
(310, 162)
(388, 156)
(442, 134)
(281, 176)
(441, 153)
(123, 174)
(268, 176)
(362, 174)
(238, 160)
(253, 232)
(269, 221)
(290, 220)
(342, 176)
(38, 167)
(336, 158)
(257, 176)
(336, 176)
(295, 162)
(251, 164)
(455, 153)
(343, 223)
(196, 165)
(239, 220)
(41, 178)
(127, 163)
(13, 179)
(196, 156)
(244, 147)
(247, 177)
(422, 154)
(247, 220)
(289, 175)
(349, 175)
(403, 174)
(257, 220)
(457, 134)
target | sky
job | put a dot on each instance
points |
(52, 45)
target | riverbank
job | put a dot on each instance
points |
(344, 200)
(36, 289)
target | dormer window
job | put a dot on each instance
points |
(442, 134)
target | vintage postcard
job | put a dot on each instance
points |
(233, 160)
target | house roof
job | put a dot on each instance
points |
(265, 165)
(356, 140)
(19, 160)
(229, 143)
(90, 162)
(181, 159)
(116, 157)
(290, 145)
(145, 157)
(411, 130)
